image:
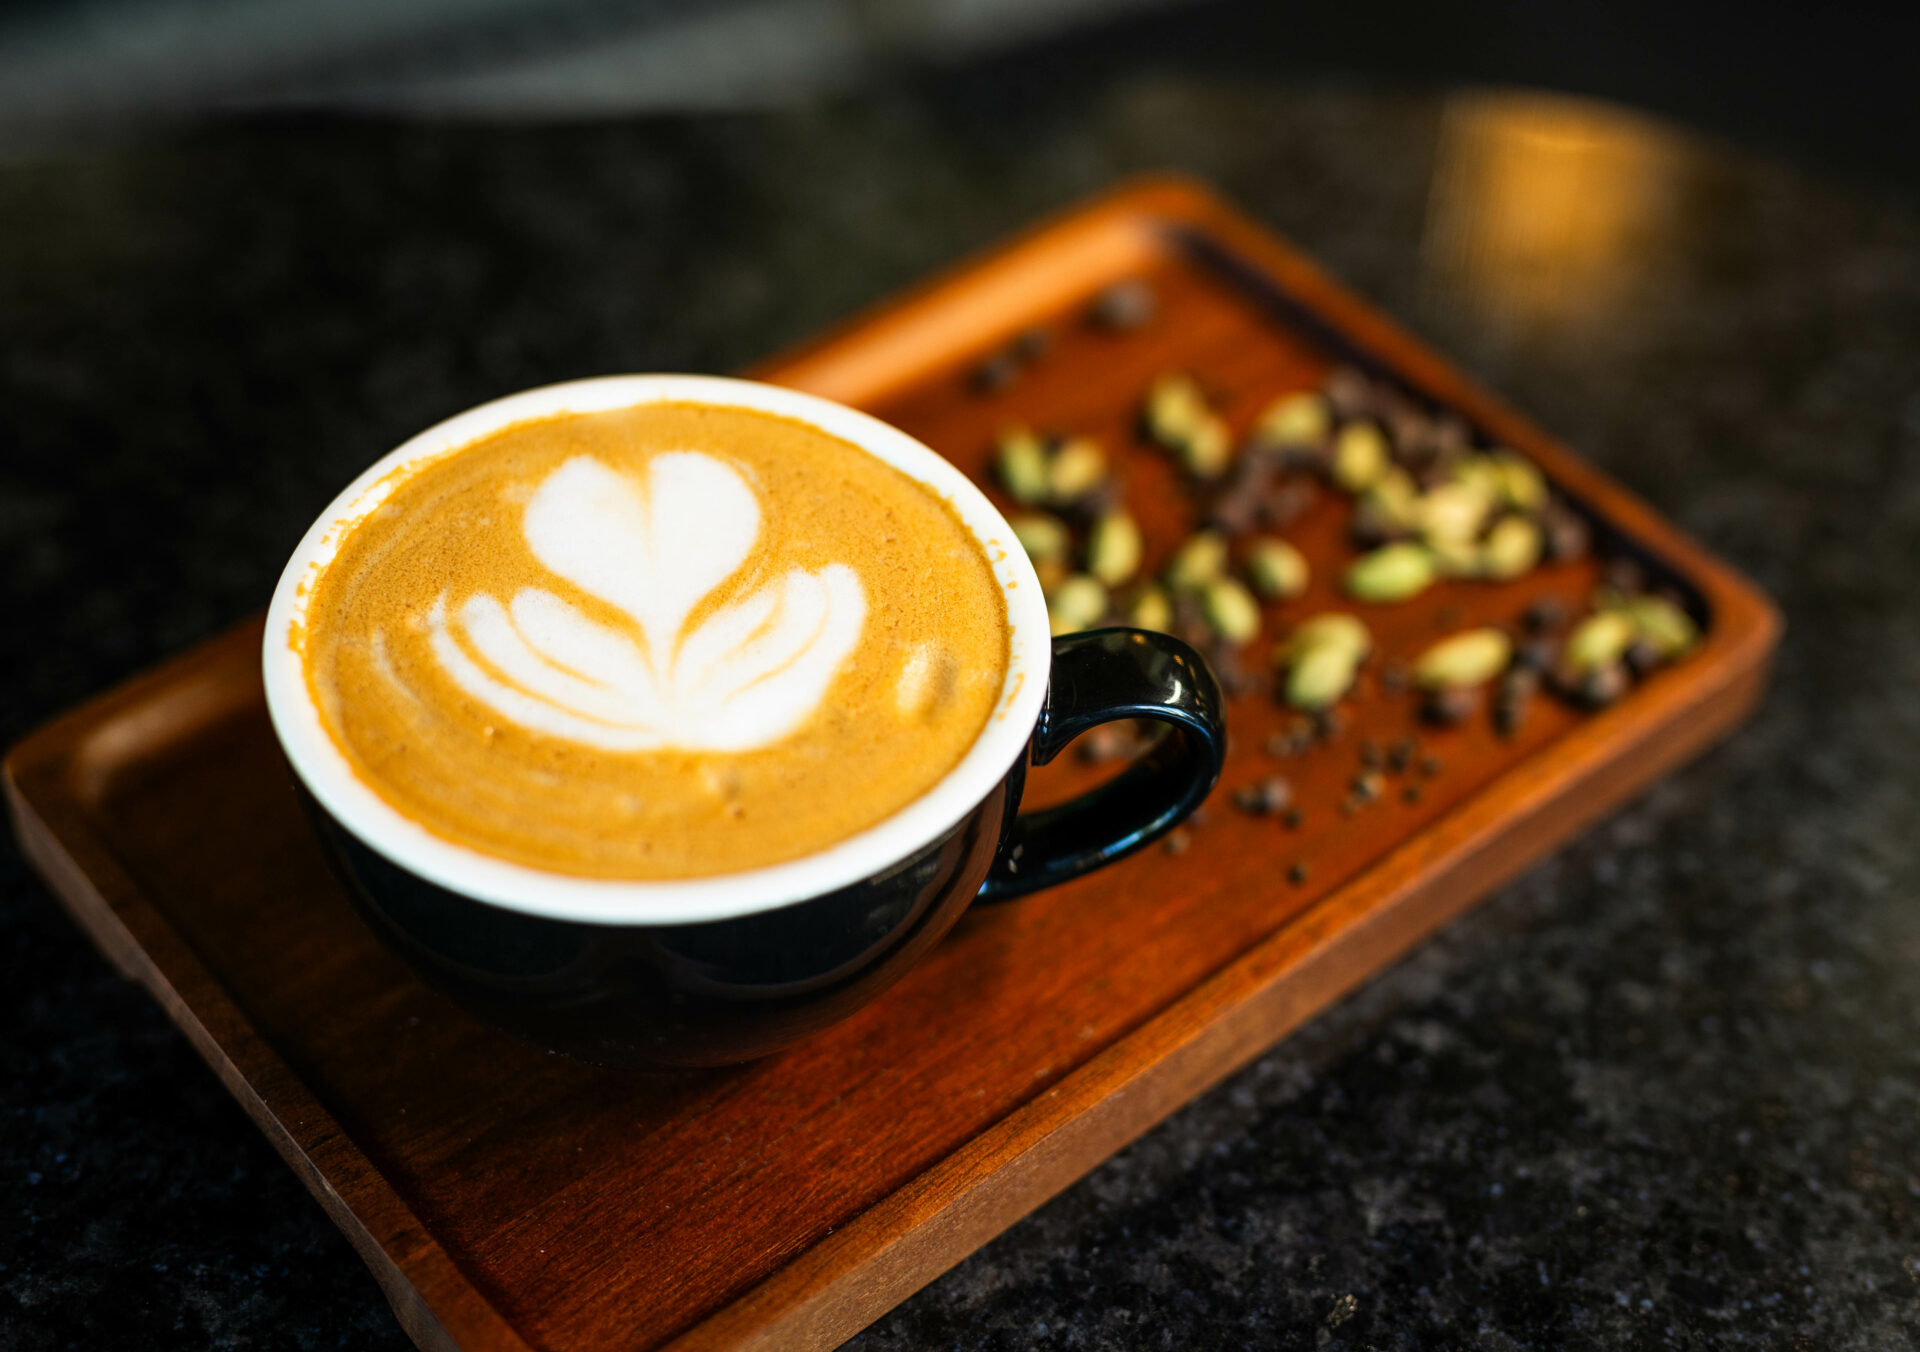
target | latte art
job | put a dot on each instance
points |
(659, 642)
(745, 676)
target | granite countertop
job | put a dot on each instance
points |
(1664, 1091)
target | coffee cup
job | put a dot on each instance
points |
(708, 963)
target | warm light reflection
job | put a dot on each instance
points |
(1545, 210)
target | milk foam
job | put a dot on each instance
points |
(653, 546)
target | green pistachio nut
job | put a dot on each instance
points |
(1020, 463)
(1320, 675)
(1663, 624)
(1464, 660)
(1175, 407)
(1151, 610)
(1277, 570)
(1113, 548)
(1302, 419)
(1078, 603)
(1394, 498)
(1207, 449)
(1360, 456)
(1511, 548)
(1599, 641)
(1198, 561)
(1044, 538)
(1522, 484)
(1077, 468)
(1329, 629)
(1231, 610)
(1453, 511)
(1391, 573)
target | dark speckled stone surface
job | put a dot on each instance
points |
(1662, 1092)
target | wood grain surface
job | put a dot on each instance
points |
(508, 1198)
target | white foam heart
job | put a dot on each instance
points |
(653, 546)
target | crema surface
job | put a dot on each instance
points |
(660, 642)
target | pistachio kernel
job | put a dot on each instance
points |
(1465, 659)
(1207, 448)
(1198, 561)
(1020, 463)
(1231, 610)
(1042, 537)
(1521, 483)
(1319, 676)
(1301, 419)
(1391, 573)
(1080, 602)
(1453, 511)
(1113, 548)
(1662, 623)
(1360, 456)
(1511, 548)
(1598, 641)
(1175, 407)
(1077, 468)
(1151, 610)
(1278, 571)
(1329, 629)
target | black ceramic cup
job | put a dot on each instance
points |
(726, 968)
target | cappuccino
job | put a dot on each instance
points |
(666, 641)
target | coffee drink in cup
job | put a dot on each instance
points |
(659, 642)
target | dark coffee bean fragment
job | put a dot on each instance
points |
(1624, 575)
(1642, 656)
(1329, 724)
(1125, 305)
(1178, 840)
(1297, 873)
(1536, 654)
(1411, 794)
(1368, 785)
(1508, 715)
(996, 372)
(1304, 459)
(1291, 818)
(1370, 754)
(1451, 436)
(1286, 501)
(1371, 526)
(1603, 685)
(1349, 391)
(1565, 534)
(1272, 794)
(1544, 616)
(1450, 705)
(1032, 344)
(1400, 754)
(1519, 684)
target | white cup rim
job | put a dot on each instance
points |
(326, 774)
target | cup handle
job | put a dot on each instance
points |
(1100, 676)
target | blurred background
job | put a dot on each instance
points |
(1830, 83)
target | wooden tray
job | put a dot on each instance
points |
(509, 1199)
